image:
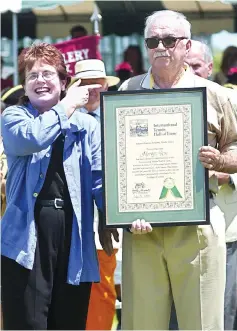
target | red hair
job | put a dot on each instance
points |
(46, 53)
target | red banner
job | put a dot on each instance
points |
(78, 49)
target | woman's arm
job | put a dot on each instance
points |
(23, 135)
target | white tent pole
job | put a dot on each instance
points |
(96, 18)
(15, 48)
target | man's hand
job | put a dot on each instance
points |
(105, 237)
(222, 177)
(210, 157)
(141, 227)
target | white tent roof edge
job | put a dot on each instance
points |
(17, 6)
(14, 6)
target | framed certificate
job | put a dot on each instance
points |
(150, 144)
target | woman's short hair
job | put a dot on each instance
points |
(42, 52)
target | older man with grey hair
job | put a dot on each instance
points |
(200, 59)
(184, 262)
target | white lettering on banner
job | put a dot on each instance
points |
(69, 70)
(70, 57)
(64, 57)
(78, 56)
(85, 51)
(74, 56)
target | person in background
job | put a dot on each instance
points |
(227, 200)
(78, 31)
(200, 59)
(3, 174)
(232, 77)
(187, 263)
(103, 295)
(228, 60)
(53, 152)
(118, 283)
(123, 71)
(10, 96)
(3, 171)
(133, 56)
(5, 82)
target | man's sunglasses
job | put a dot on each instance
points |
(168, 42)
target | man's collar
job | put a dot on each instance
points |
(148, 80)
(85, 111)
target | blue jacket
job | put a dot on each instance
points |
(28, 138)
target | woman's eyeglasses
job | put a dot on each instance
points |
(46, 75)
(168, 42)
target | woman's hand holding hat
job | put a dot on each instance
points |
(77, 96)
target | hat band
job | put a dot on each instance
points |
(80, 72)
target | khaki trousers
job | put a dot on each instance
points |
(186, 262)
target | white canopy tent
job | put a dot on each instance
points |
(205, 15)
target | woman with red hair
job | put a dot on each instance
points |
(54, 174)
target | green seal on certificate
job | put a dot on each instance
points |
(169, 185)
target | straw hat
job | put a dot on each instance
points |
(92, 68)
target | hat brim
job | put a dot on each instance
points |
(111, 80)
(12, 95)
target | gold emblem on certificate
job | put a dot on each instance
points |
(169, 186)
